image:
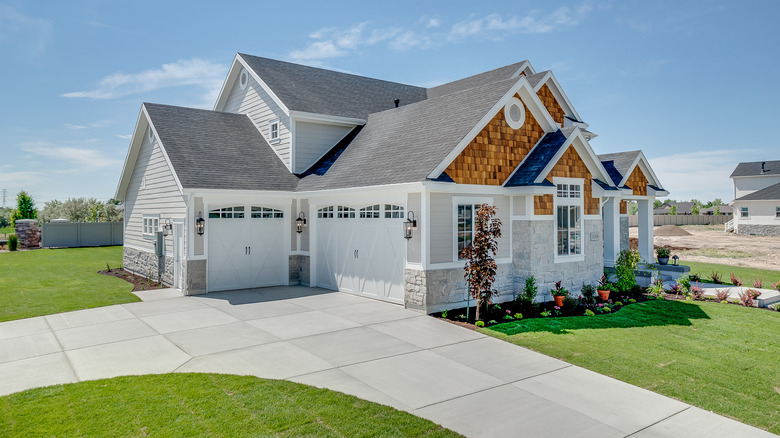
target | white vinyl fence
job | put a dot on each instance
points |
(682, 219)
(59, 235)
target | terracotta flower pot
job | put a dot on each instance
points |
(558, 300)
(604, 295)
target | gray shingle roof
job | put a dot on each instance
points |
(534, 79)
(487, 77)
(770, 193)
(754, 168)
(621, 161)
(405, 144)
(320, 91)
(214, 150)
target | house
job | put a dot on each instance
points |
(683, 208)
(725, 210)
(302, 175)
(756, 198)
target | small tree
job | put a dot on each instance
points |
(25, 208)
(480, 265)
(673, 210)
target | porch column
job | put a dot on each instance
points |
(646, 244)
(611, 214)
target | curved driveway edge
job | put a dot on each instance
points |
(371, 349)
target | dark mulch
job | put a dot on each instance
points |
(138, 282)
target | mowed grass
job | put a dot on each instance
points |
(747, 275)
(720, 357)
(188, 405)
(46, 281)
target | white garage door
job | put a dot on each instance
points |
(361, 250)
(246, 248)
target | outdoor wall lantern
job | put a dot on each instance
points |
(300, 222)
(200, 224)
(167, 227)
(409, 223)
(675, 258)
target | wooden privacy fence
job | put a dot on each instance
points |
(59, 235)
(682, 219)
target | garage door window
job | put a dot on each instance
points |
(227, 213)
(345, 212)
(266, 213)
(394, 211)
(325, 212)
(370, 212)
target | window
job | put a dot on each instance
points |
(370, 212)
(151, 225)
(273, 130)
(266, 213)
(394, 211)
(345, 212)
(744, 212)
(325, 212)
(777, 212)
(568, 219)
(227, 213)
(465, 226)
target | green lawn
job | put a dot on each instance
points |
(46, 281)
(720, 357)
(186, 405)
(747, 274)
(5, 231)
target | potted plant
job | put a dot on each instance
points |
(605, 287)
(663, 255)
(559, 293)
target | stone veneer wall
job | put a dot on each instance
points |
(29, 233)
(299, 269)
(762, 230)
(147, 264)
(195, 282)
(623, 233)
(439, 289)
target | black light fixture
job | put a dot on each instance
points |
(200, 224)
(300, 222)
(167, 227)
(675, 258)
(409, 223)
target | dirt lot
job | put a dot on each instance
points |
(710, 244)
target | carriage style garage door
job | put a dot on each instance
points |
(246, 248)
(361, 250)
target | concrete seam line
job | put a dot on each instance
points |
(662, 419)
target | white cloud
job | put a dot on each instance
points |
(125, 137)
(82, 157)
(75, 127)
(332, 42)
(29, 33)
(182, 72)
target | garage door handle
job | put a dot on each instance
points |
(356, 253)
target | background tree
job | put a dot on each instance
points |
(25, 208)
(673, 210)
(633, 208)
(480, 265)
(657, 203)
(5, 217)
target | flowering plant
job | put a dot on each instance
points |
(559, 291)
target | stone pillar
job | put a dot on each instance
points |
(611, 213)
(29, 234)
(646, 244)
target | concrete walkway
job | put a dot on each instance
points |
(374, 350)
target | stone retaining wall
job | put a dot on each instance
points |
(29, 233)
(147, 264)
(761, 230)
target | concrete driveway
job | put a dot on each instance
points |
(374, 350)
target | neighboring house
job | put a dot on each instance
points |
(756, 198)
(358, 159)
(683, 208)
(725, 210)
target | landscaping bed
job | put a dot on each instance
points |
(138, 282)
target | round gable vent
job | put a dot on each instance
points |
(514, 113)
(243, 79)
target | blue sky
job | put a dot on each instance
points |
(693, 84)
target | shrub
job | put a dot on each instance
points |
(588, 293)
(589, 312)
(545, 314)
(775, 307)
(724, 302)
(631, 301)
(716, 278)
(530, 290)
(518, 315)
(508, 317)
(619, 303)
(736, 281)
(13, 242)
(695, 278)
(624, 269)
(606, 309)
(480, 323)
(697, 291)
(676, 289)
(492, 322)
(748, 296)
(657, 288)
(571, 306)
(722, 294)
(685, 283)
(758, 283)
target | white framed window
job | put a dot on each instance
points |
(393, 211)
(151, 223)
(514, 113)
(273, 131)
(370, 212)
(345, 212)
(325, 212)
(266, 213)
(744, 212)
(568, 219)
(465, 227)
(227, 213)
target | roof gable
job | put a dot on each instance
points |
(623, 165)
(771, 193)
(585, 153)
(753, 168)
(528, 172)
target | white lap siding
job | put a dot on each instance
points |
(159, 196)
(261, 108)
(312, 140)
